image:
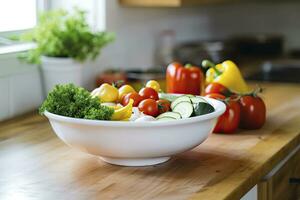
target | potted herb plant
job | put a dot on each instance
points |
(64, 41)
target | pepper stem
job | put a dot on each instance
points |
(187, 65)
(209, 64)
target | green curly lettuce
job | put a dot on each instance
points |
(72, 101)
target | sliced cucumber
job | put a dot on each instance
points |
(203, 108)
(196, 100)
(189, 95)
(184, 108)
(166, 119)
(169, 97)
(169, 114)
(179, 100)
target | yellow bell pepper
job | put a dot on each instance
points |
(227, 74)
(106, 93)
(123, 113)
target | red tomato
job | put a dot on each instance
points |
(149, 107)
(132, 95)
(148, 93)
(217, 88)
(253, 112)
(163, 105)
(229, 121)
(215, 96)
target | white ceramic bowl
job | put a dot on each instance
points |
(136, 143)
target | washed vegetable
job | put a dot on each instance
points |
(180, 99)
(184, 79)
(229, 121)
(216, 96)
(185, 109)
(72, 101)
(169, 97)
(123, 90)
(217, 88)
(174, 115)
(253, 112)
(106, 93)
(227, 74)
(148, 93)
(202, 108)
(134, 96)
(149, 107)
(163, 105)
(154, 85)
(123, 113)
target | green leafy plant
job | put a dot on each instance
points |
(72, 101)
(63, 34)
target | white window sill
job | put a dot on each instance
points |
(14, 48)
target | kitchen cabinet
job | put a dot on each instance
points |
(283, 182)
(170, 3)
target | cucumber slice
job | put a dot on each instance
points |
(179, 100)
(169, 97)
(184, 108)
(203, 108)
(169, 114)
(196, 100)
(166, 119)
(189, 95)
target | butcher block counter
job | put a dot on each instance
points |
(35, 164)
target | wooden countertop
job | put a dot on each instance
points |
(35, 164)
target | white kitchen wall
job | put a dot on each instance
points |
(137, 28)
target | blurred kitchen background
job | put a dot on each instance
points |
(262, 37)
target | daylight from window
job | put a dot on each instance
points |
(17, 15)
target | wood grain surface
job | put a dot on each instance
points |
(35, 164)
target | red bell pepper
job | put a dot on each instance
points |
(184, 79)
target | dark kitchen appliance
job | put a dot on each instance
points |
(259, 44)
(195, 51)
(278, 71)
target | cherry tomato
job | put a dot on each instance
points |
(149, 107)
(132, 95)
(153, 84)
(163, 105)
(125, 89)
(253, 112)
(148, 93)
(215, 96)
(217, 88)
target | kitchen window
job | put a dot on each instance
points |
(16, 17)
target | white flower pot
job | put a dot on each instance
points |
(60, 71)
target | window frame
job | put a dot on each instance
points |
(42, 5)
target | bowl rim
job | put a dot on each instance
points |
(219, 106)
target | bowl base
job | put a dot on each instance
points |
(135, 162)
